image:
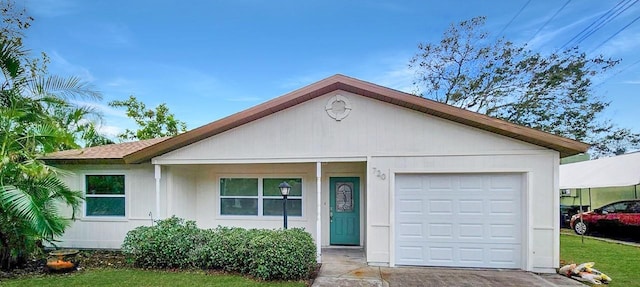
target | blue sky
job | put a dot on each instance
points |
(210, 59)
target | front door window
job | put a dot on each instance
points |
(344, 196)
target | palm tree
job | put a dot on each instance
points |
(30, 191)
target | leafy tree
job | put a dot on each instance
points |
(30, 192)
(81, 123)
(550, 92)
(151, 124)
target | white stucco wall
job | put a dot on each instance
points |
(108, 232)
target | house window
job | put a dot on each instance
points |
(104, 195)
(259, 196)
(272, 199)
(239, 196)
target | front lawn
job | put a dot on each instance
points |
(619, 261)
(138, 277)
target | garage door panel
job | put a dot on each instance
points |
(503, 207)
(440, 231)
(471, 231)
(465, 221)
(413, 255)
(504, 232)
(410, 207)
(471, 182)
(439, 183)
(410, 230)
(440, 207)
(471, 207)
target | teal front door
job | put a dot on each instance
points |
(344, 211)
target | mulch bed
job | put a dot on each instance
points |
(86, 259)
(92, 259)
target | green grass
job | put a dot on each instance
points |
(620, 262)
(137, 277)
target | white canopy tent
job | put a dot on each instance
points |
(622, 170)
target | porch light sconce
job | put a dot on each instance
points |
(284, 190)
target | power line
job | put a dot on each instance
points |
(608, 20)
(549, 20)
(592, 23)
(512, 19)
(616, 33)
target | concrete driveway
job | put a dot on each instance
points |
(347, 267)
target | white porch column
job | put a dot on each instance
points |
(319, 212)
(158, 175)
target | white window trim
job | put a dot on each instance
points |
(261, 196)
(104, 217)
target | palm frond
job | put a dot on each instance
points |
(63, 87)
(40, 215)
(10, 54)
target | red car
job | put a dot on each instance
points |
(620, 216)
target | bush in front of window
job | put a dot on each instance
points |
(168, 244)
(265, 254)
(225, 248)
(281, 254)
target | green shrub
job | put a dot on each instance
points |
(224, 248)
(281, 254)
(264, 254)
(168, 244)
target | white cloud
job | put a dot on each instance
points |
(67, 68)
(623, 42)
(549, 34)
(104, 109)
(118, 82)
(109, 131)
(399, 77)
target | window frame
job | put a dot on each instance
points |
(261, 197)
(87, 195)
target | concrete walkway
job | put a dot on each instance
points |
(348, 267)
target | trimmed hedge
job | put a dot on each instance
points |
(265, 254)
(168, 244)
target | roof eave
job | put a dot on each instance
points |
(84, 161)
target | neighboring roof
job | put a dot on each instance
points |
(622, 170)
(565, 146)
(113, 153)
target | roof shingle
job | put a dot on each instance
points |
(106, 153)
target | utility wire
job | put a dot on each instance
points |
(592, 23)
(549, 20)
(607, 22)
(512, 19)
(616, 33)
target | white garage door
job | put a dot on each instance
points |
(458, 220)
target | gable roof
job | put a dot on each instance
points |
(565, 146)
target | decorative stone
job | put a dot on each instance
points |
(338, 107)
